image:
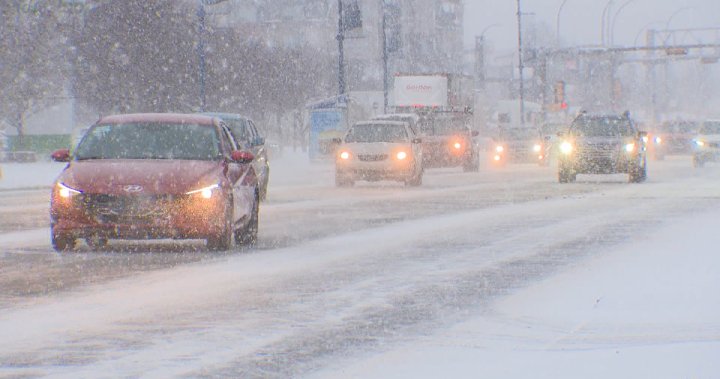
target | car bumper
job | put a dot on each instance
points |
(181, 217)
(376, 171)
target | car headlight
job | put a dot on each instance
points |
(500, 149)
(457, 145)
(630, 147)
(401, 155)
(566, 147)
(700, 143)
(345, 155)
(658, 140)
(205, 192)
(66, 192)
(537, 148)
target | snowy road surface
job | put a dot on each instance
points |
(502, 273)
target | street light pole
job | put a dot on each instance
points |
(614, 20)
(341, 51)
(520, 66)
(602, 22)
(201, 52)
(557, 22)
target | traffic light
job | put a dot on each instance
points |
(559, 92)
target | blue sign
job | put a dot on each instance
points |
(325, 124)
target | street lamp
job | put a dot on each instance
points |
(614, 20)
(557, 22)
(602, 21)
(520, 66)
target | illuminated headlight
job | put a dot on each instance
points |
(630, 147)
(345, 155)
(645, 139)
(700, 143)
(496, 158)
(658, 140)
(401, 155)
(499, 149)
(566, 147)
(457, 145)
(537, 148)
(205, 192)
(67, 192)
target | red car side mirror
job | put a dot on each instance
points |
(242, 156)
(62, 155)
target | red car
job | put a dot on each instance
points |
(152, 176)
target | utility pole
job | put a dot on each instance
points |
(341, 51)
(384, 56)
(201, 52)
(520, 66)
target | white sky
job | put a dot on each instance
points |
(580, 20)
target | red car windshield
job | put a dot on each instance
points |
(149, 141)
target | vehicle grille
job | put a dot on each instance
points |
(598, 150)
(113, 209)
(372, 157)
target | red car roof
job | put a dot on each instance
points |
(172, 118)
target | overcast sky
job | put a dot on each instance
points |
(581, 20)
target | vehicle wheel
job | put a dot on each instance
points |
(416, 181)
(566, 175)
(472, 164)
(263, 189)
(638, 173)
(61, 241)
(248, 235)
(341, 181)
(223, 240)
(698, 162)
(96, 242)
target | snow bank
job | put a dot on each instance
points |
(648, 309)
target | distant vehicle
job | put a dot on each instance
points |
(415, 121)
(707, 143)
(248, 138)
(150, 176)
(602, 144)
(672, 138)
(520, 145)
(379, 150)
(449, 141)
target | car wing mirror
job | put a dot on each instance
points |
(417, 140)
(242, 156)
(475, 133)
(337, 141)
(62, 155)
(561, 134)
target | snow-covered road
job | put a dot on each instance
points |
(504, 273)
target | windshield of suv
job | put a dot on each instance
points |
(149, 141)
(377, 133)
(679, 127)
(602, 127)
(710, 127)
(442, 126)
(519, 133)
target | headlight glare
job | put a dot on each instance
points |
(401, 155)
(499, 149)
(537, 147)
(630, 147)
(700, 143)
(66, 192)
(457, 145)
(566, 147)
(205, 192)
(345, 155)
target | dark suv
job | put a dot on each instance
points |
(602, 144)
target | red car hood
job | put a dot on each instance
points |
(120, 177)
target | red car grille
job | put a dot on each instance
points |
(112, 209)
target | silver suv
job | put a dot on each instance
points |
(602, 144)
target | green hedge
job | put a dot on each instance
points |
(42, 145)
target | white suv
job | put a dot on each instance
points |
(379, 150)
(707, 143)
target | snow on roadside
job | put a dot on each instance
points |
(29, 175)
(647, 309)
